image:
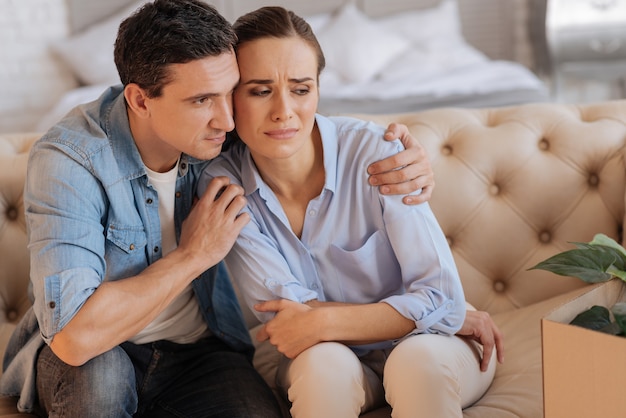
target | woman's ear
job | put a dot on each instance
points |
(136, 99)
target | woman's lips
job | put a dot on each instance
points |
(286, 133)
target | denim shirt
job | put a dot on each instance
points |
(95, 220)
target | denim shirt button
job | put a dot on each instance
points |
(52, 305)
(131, 247)
(149, 201)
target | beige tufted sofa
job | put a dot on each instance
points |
(514, 186)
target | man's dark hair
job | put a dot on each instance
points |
(166, 32)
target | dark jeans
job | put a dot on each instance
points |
(201, 380)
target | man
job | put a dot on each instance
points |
(133, 313)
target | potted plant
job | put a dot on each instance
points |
(597, 261)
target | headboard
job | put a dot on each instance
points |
(496, 27)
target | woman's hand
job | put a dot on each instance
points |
(479, 327)
(406, 172)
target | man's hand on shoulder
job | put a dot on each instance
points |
(406, 172)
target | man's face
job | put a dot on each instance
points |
(191, 116)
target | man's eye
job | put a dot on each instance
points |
(201, 100)
(260, 92)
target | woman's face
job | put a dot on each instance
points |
(276, 99)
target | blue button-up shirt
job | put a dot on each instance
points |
(356, 246)
(91, 217)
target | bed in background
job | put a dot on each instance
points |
(383, 56)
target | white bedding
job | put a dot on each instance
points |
(402, 62)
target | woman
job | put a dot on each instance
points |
(358, 290)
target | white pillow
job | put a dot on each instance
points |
(437, 43)
(440, 24)
(356, 47)
(89, 54)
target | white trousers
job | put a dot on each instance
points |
(425, 376)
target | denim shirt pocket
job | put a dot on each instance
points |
(125, 250)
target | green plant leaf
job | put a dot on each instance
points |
(601, 239)
(589, 264)
(595, 318)
(619, 312)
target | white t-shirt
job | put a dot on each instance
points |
(181, 322)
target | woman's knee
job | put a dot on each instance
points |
(421, 361)
(329, 359)
(324, 380)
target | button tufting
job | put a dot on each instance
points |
(544, 145)
(545, 237)
(446, 150)
(11, 315)
(499, 286)
(11, 213)
(494, 189)
(593, 180)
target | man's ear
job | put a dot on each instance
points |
(136, 99)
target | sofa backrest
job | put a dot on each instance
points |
(517, 185)
(14, 261)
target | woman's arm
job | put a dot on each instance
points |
(296, 326)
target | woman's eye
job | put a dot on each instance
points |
(302, 91)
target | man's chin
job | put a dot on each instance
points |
(209, 154)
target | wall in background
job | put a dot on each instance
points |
(26, 64)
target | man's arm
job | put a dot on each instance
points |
(405, 172)
(118, 310)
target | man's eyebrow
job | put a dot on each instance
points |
(200, 96)
(292, 80)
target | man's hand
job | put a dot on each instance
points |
(292, 330)
(214, 223)
(405, 172)
(479, 327)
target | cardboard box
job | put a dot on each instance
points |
(584, 371)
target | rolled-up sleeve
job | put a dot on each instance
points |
(434, 297)
(66, 241)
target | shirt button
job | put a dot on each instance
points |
(156, 249)
(312, 213)
(52, 305)
(149, 201)
(131, 247)
(178, 195)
